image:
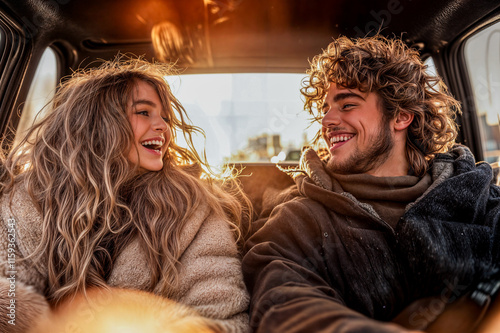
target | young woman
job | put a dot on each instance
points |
(98, 194)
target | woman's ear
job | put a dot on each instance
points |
(403, 120)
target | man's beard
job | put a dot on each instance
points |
(370, 158)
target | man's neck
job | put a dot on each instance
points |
(395, 165)
(392, 167)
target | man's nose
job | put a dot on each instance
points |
(331, 118)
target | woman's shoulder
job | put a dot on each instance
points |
(18, 202)
(18, 209)
(214, 235)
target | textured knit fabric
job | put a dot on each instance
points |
(210, 275)
(389, 196)
(326, 262)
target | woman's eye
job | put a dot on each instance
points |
(144, 113)
(166, 119)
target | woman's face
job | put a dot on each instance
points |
(151, 126)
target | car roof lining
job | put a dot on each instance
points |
(213, 36)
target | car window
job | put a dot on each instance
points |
(482, 56)
(431, 67)
(40, 93)
(246, 117)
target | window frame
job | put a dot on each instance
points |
(14, 59)
(20, 56)
(452, 66)
(474, 100)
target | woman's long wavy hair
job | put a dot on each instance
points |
(397, 75)
(74, 166)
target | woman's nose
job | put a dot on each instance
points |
(160, 125)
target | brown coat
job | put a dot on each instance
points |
(210, 271)
(325, 261)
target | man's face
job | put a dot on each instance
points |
(359, 139)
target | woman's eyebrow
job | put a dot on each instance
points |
(143, 101)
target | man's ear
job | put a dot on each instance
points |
(403, 120)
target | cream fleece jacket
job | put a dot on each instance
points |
(210, 275)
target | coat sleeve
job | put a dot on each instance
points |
(286, 275)
(210, 276)
(21, 283)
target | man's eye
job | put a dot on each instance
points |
(348, 106)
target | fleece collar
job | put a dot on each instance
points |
(455, 222)
(457, 160)
(311, 164)
(315, 182)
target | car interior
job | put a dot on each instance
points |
(240, 64)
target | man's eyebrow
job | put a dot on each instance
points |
(143, 101)
(341, 96)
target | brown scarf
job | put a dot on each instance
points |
(389, 196)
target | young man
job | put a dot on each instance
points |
(396, 213)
